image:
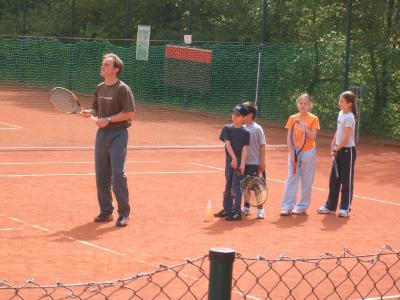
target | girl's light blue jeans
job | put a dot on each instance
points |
(305, 174)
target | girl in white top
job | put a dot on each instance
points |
(344, 151)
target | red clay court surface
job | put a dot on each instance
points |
(48, 198)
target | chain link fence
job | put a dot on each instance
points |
(344, 276)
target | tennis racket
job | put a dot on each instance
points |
(298, 138)
(66, 101)
(254, 189)
(334, 164)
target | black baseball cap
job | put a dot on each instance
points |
(241, 110)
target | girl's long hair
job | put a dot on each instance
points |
(350, 98)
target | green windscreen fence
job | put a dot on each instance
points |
(216, 79)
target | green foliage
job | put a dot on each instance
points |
(304, 52)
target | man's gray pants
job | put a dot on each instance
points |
(110, 154)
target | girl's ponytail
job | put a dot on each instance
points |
(350, 98)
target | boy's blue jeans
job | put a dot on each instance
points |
(233, 193)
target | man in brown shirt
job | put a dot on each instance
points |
(115, 109)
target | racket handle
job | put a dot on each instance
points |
(86, 114)
(294, 168)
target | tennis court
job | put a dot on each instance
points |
(48, 196)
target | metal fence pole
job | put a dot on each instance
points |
(72, 20)
(24, 9)
(127, 21)
(358, 91)
(264, 21)
(260, 69)
(348, 39)
(71, 45)
(190, 17)
(221, 268)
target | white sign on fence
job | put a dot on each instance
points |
(143, 42)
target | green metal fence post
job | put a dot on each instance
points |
(264, 21)
(24, 9)
(221, 267)
(127, 22)
(71, 46)
(348, 41)
(358, 91)
(261, 53)
(190, 17)
(72, 21)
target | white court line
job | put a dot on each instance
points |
(92, 174)
(130, 147)
(72, 162)
(85, 148)
(10, 125)
(383, 297)
(247, 296)
(7, 229)
(66, 236)
(315, 188)
(182, 172)
(206, 166)
(90, 244)
(38, 148)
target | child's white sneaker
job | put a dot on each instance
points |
(260, 213)
(323, 210)
(298, 211)
(246, 210)
(343, 213)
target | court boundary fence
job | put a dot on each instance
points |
(222, 272)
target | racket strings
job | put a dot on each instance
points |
(254, 190)
(299, 137)
(64, 101)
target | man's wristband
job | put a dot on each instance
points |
(108, 119)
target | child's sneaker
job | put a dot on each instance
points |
(260, 213)
(298, 211)
(221, 214)
(285, 212)
(343, 213)
(323, 210)
(246, 210)
(234, 217)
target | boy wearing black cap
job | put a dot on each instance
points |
(236, 139)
